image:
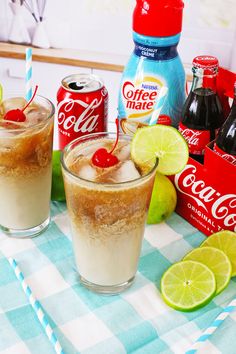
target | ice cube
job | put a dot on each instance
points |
(123, 152)
(6, 143)
(87, 172)
(126, 172)
(107, 175)
(80, 166)
(13, 103)
(35, 114)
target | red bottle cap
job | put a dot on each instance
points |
(158, 18)
(205, 62)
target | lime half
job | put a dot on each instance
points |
(162, 142)
(188, 285)
(217, 261)
(225, 241)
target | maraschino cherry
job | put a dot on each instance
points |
(103, 158)
(17, 115)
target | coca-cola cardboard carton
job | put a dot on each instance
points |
(207, 192)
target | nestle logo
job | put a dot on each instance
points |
(149, 87)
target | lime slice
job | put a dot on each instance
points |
(216, 260)
(226, 241)
(188, 285)
(162, 142)
(58, 192)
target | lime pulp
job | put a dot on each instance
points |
(160, 142)
(217, 261)
(188, 285)
(226, 241)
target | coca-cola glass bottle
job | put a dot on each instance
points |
(202, 113)
(225, 144)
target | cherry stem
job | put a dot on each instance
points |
(117, 136)
(35, 90)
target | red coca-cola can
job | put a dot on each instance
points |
(82, 107)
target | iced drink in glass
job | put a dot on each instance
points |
(26, 167)
(107, 210)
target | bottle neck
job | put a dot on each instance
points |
(204, 79)
(233, 109)
(156, 48)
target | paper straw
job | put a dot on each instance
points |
(213, 327)
(37, 307)
(159, 104)
(28, 73)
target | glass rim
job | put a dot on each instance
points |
(105, 185)
(20, 129)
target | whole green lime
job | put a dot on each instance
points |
(163, 200)
(58, 191)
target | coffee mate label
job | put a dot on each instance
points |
(140, 100)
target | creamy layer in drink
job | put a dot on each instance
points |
(25, 164)
(107, 209)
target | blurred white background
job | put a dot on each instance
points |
(105, 26)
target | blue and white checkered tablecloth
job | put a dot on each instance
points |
(136, 321)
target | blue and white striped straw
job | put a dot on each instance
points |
(28, 73)
(213, 327)
(37, 307)
(159, 104)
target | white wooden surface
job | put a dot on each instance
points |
(105, 26)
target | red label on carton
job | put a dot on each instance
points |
(204, 197)
(196, 139)
(230, 158)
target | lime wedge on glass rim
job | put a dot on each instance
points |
(225, 241)
(162, 142)
(217, 261)
(188, 285)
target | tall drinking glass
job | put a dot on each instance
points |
(107, 210)
(26, 168)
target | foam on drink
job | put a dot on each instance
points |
(81, 164)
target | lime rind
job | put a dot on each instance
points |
(160, 142)
(225, 241)
(217, 261)
(188, 285)
(57, 190)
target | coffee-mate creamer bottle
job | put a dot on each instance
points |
(154, 67)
